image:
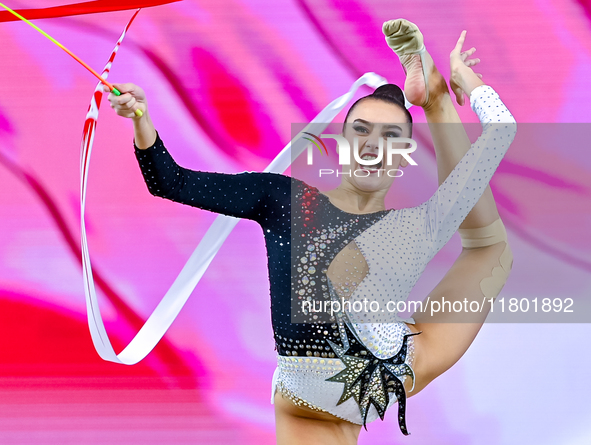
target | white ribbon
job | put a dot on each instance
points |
(178, 294)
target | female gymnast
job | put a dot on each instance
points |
(332, 377)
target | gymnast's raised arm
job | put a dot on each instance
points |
(256, 196)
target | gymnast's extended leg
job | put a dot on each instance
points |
(482, 268)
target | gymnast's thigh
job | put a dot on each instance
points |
(478, 275)
(303, 426)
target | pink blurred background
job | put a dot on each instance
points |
(225, 80)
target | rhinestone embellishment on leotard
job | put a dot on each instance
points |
(369, 380)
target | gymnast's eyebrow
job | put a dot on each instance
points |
(371, 125)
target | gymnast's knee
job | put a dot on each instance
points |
(480, 237)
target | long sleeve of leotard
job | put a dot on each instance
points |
(457, 195)
(247, 195)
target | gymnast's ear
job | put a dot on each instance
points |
(403, 162)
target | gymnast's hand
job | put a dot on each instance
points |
(463, 79)
(132, 98)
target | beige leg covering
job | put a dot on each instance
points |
(405, 39)
(403, 36)
(487, 236)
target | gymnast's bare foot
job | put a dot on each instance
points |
(424, 83)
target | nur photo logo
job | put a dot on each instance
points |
(380, 160)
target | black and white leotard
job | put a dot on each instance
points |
(351, 365)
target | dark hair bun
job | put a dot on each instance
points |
(390, 91)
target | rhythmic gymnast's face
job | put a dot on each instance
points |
(372, 120)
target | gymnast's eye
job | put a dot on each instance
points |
(360, 129)
(391, 134)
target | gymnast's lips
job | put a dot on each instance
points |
(372, 168)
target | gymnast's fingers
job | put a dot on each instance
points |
(458, 48)
(126, 100)
(116, 101)
(468, 53)
(132, 99)
(124, 105)
(132, 89)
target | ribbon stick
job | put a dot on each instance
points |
(178, 294)
(74, 56)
